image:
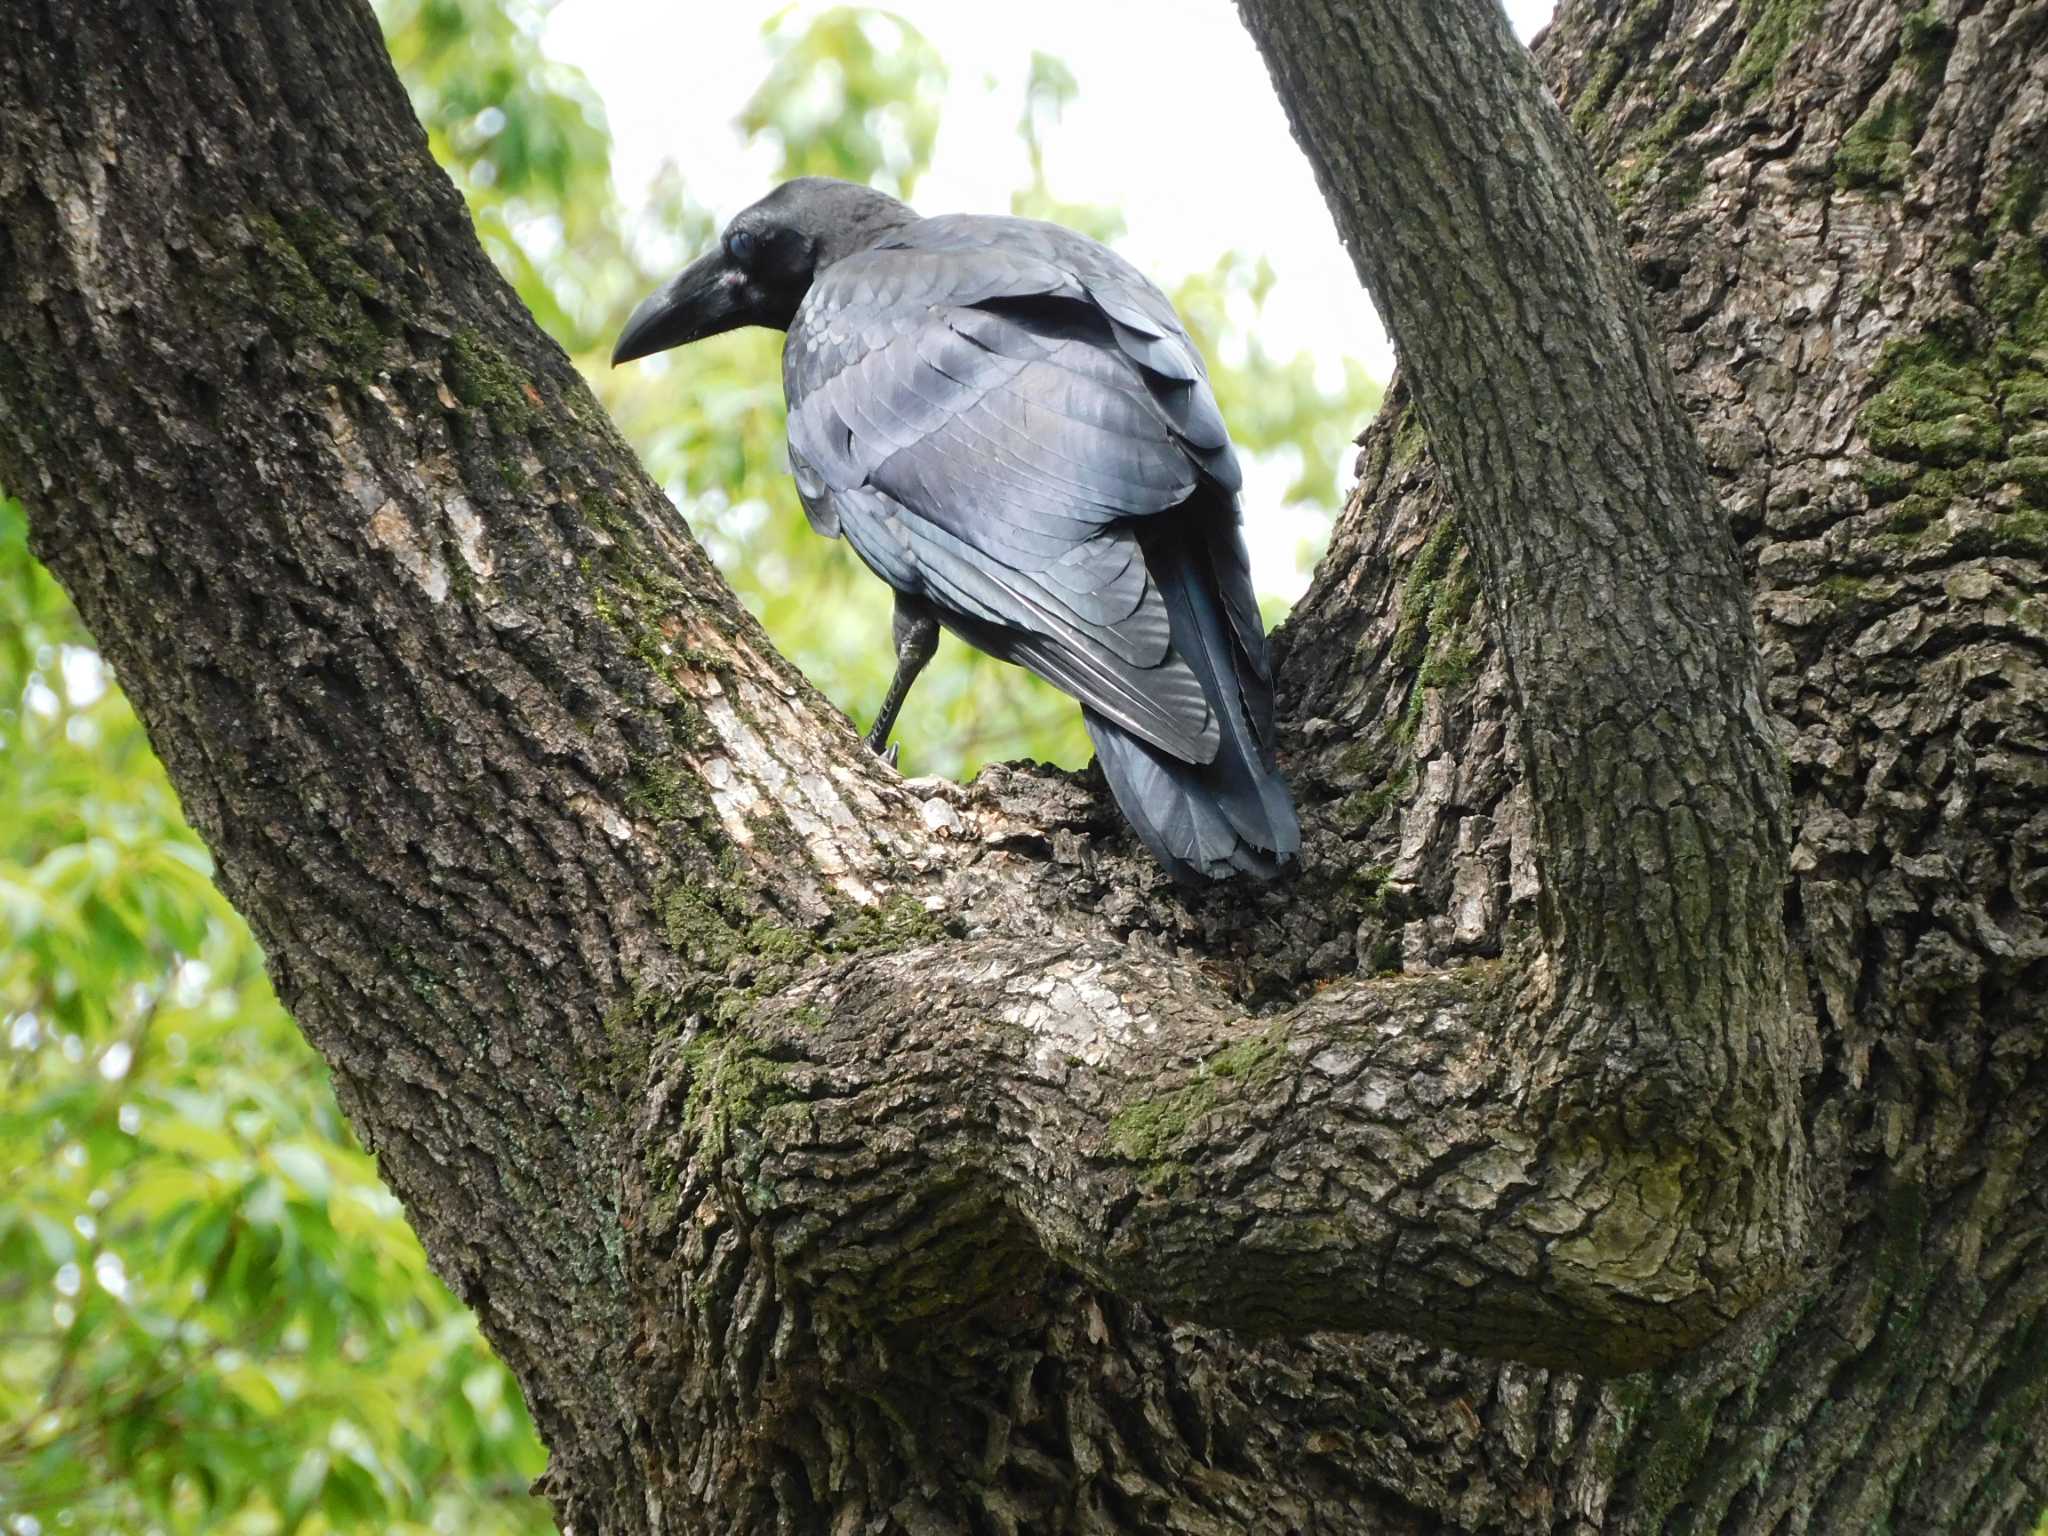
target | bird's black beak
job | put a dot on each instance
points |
(707, 297)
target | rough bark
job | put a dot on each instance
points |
(830, 1152)
(1835, 207)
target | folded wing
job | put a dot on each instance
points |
(990, 410)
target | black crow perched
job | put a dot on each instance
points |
(1010, 426)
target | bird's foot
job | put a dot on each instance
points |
(887, 753)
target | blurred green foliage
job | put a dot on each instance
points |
(851, 93)
(213, 1318)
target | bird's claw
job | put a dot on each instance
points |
(889, 756)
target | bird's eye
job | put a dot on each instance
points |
(739, 245)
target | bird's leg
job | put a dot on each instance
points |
(917, 638)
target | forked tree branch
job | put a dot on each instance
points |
(602, 915)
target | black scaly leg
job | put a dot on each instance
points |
(917, 638)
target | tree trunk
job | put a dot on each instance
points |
(827, 1152)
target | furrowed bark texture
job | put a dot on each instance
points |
(1836, 207)
(827, 1152)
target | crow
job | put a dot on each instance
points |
(1010, 426)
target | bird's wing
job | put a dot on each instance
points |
(986, 416)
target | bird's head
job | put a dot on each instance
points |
(762, 266)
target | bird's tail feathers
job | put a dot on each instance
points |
(1175, 809)
(1232, 814)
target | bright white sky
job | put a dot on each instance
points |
(1193, 147)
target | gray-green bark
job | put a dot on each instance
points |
(827, 1152)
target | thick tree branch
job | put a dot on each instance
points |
(1360, 1162)
(1490, 246)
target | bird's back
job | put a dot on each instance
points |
(1008, 423)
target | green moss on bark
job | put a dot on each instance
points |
(1961, 410)
(1436, 633)
(1640, 25)
(1676, 1431)
(1149, 1129)
(662, 791)
(484, 379)
(1877, 150)
(1411, 439)
(1647, 163)
(313, 294)
(1852, 597)
(1939, 404)
(733, 1082)
(899, 921)
(1773, 26)
(1588, 106)
(1359, 811)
